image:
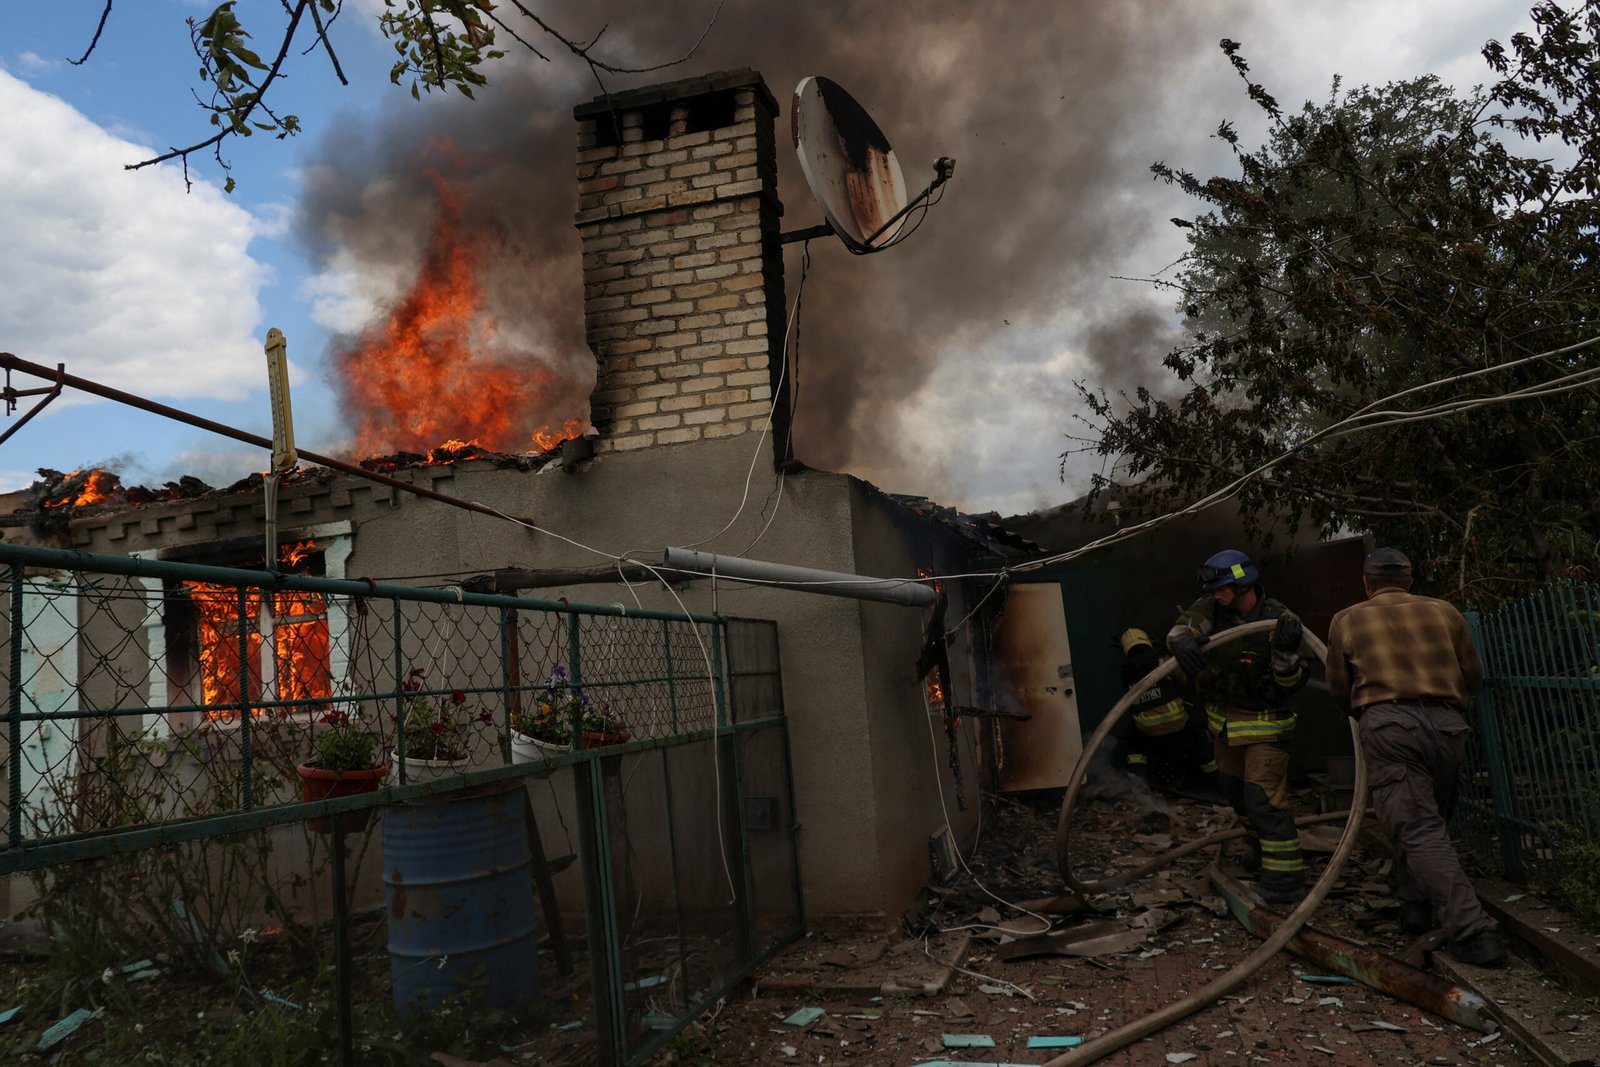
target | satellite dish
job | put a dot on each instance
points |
(849, 165)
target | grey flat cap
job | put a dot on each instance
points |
(1387, 563)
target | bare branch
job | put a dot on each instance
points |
(81, 60)
(322, 38)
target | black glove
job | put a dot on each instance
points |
(1185, 648)
(1287, 633)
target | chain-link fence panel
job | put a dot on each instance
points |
(581, 819)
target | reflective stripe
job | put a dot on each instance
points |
(1271, 844)
(1243, 731)
(1136, 758)
(1209, 766)
(1216, 718)
(1169, 718)
(1283, 866)
(1289, 681)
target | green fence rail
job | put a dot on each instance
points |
(157, 713)
(1531, 784)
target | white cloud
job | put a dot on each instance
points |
(121, 275)
(34, 61)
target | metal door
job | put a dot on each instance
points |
(1036, 678)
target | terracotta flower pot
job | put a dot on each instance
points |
(599, 739)
(317, 783)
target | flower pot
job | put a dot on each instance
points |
(600, 739)
(427, 770)
(526, 749)
(317, 783)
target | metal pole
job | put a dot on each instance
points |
(910, 592)
(341, 946)
(11, 362)
(15, 709)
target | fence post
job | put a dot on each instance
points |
(248, 800)
(14, 706)
(399, 694)
(1494, 760)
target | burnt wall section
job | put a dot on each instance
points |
(682, 261)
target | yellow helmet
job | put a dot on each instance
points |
(1133, 637)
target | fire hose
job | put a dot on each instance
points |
(1240, 973)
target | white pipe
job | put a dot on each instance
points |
(905, 591)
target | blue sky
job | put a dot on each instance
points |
(130, 280)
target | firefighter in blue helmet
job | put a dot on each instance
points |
(1166, 745)
(1246, 687)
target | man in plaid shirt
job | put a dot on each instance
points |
(1403, 665)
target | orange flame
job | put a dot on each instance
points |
(424, 374)
(300, 642)
(544, 440)
(95, 486)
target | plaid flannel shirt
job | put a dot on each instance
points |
(1397, 646)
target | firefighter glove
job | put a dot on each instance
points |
(1185, 648)
(1286, 634)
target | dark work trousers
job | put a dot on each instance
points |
(1255, 779)
(1414, 756)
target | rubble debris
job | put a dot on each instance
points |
(804, 1017)
(63, 1029)
(968, 1041)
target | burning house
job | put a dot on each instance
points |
(678, 213)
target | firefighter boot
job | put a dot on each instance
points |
(1482, 949)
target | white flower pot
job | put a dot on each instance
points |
(427, 770)
(525, 749)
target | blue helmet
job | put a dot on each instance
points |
(1228, 567)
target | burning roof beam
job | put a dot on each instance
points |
(11, 362)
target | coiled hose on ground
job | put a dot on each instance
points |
(1240, 973)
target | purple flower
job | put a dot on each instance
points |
(558, 673)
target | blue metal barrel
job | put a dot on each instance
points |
(459, 888)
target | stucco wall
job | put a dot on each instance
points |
(911, 769)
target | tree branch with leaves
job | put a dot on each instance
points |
(1407, 243)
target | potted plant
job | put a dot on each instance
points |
(438, 729)
(344, 762)
(602, 726)
(545, 729)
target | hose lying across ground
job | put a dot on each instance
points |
(1240, 973)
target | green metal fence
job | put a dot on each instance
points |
(1533, 780)
(157, 712)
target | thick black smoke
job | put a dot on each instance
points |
(1042, 104)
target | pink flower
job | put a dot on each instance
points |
(438, 727)
(458, 698)
(486, 717)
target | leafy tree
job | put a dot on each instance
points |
(439, 44)
(1393, 321)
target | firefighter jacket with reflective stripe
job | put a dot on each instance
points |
(1158, 710)
(1246, 687)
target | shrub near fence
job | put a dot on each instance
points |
(155, 716)
(1531, 799)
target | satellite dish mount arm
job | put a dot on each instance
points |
(943, 168)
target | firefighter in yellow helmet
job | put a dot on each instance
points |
(1246, 687)
(1166, 745)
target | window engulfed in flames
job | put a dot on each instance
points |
(231, 673)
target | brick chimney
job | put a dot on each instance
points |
(682, 263)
